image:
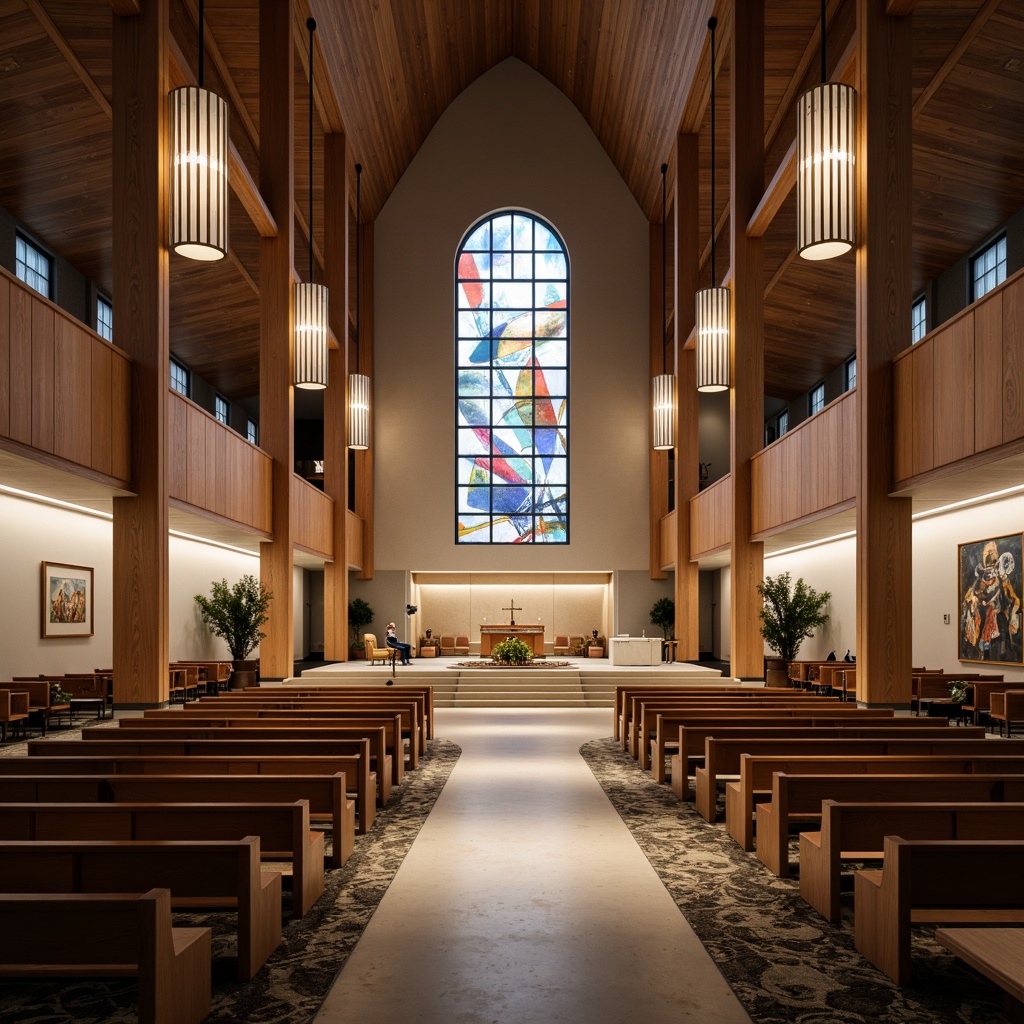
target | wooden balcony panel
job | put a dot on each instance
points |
(312, 514)
(710, 518)
(668, 546)
(354, 539)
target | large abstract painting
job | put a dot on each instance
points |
(512, 387)
(990, 611)
(67, 600)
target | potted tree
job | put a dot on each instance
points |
(790, 614)
(663, 615)
(235, 614)
(360, 615)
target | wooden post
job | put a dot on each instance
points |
(687, 263)
(141, 326)
(746, 186)
(336, 214)
(277, 185)
(884, 552)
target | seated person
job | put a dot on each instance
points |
(393, 641)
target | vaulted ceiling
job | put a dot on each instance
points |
(385, 70)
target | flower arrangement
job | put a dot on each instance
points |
(58, 695)
(511, 651)
(959, 691)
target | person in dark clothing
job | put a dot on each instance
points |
(393, 641)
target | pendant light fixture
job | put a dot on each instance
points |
(825, 166)
(663, 386)
(358, 383)
(312, 332)
(198, 200)
(713, 303)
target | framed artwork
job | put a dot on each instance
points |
(989, 578)
(67, 600)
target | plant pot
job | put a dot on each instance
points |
(775, 672)
(243, 674)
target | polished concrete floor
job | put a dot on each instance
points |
(524, 899)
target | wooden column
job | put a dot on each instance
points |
(141, 325)
(658, 473)
(746, 186)
(884, 554)
(336, 214)
(277, 185)
(687, 263)
(364, 459)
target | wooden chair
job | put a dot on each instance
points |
(461, 644)
(447, 644)
(375, 653)
(561, 645)
(1007, 708)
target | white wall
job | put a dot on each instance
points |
(510, 140)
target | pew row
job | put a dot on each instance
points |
(208, 874)
(998, 954)
(325, 793)
(933, 882)
(857, 831)
(115, 934)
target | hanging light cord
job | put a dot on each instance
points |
(664, 287)
(359, 184)
(712, 22)
(311, 25)
(824, 76)
(200, 44)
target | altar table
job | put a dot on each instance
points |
(532, 636)
(634, 650)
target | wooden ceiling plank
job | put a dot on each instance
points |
(956, 53)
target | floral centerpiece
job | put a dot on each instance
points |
(511, 651)
(58, 695)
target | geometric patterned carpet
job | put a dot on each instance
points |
(291, 986)
(786, 963)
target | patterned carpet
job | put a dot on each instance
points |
(295, 980)
(786, 964)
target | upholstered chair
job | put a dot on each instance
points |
(373, 652)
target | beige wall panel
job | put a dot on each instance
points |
(953, 413)
(42, 376)
(924, 434)
(101, 360)
(5, 356)
(72, 406)
(669, 549)
(1013, 359)
(353, 538)
(21, 365)
(988, 373)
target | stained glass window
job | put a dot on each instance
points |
(512, 383)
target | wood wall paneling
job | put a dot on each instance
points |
(5, 357)
(953, 390)
(21, 366)
(198, 464)
(710, 518)
(42, 376)
(177, 446)
(104, 416)
(668, 546)
(72, 398)
(987, 360)
(354, 539)
(312, 518)
(1012, 398)
(120, 428)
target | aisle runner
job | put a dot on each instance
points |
(785, 963)
(295, 980)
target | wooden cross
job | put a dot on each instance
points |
(512, 608)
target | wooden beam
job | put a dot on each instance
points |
(900, 8)
(126, 8)
(782, 183)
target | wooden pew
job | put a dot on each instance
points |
(13, 711)
(283, 830)
(997, 953)
(261, 728)
(980, 700)
(162, 745)
(325, 793)
(401, 688)
(765, 757)
(856, 831)
(935, 686)
(411, 709)
(39, 703)
(933, 882)
(693, 735)
(210, 874)
(355, 768)
(115, 934)
(1006, 708)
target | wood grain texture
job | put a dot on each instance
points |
(312, 519)
(710, 518)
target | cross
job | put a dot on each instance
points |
(512, 608)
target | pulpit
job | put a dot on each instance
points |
(532, 636)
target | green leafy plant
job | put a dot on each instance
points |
(236, 613)
(511, 651)
(58, 695)
(959, 691)
(360, 615)
(790, 613)
(663, 615)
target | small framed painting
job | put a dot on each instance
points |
(67, 600)
(989, 578)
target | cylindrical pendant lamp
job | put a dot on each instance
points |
(713, 339)
(312, 335)
(199, 173)
(826, 128)
(663, 389)
(358, 411)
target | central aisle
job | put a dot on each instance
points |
(524, 899)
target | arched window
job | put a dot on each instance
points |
(512, 383)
